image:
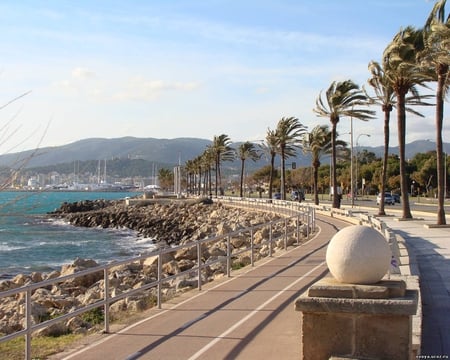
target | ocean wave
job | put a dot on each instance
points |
(8, 247)
(145, 240)
(56, 222)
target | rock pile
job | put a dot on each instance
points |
(169, 224)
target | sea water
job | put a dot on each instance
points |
(32, 241)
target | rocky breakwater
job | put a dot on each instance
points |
(169, 224)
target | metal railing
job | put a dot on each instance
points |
(282, 207)
(279, 230)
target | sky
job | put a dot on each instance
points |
(189, 68)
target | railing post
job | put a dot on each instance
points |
(106, 297)
(229, 256)
(159, 287)
(308, 221)
(285, 233)
(298, 229)
(28, 317)
(199, 263)
(309, 224)
(270, 238)
(252, 247)
(313, 214)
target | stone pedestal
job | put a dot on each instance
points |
(342, 320)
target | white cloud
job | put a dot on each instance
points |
(142, 89)
(82, 73)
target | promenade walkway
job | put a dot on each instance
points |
(248, 316)
(430, 247)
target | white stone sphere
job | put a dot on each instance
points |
(358, 255)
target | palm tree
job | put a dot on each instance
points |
(403, 73)
(197, 170)
(317, 143)
(385, 98)
(270, 148)
(222, 150)
(165, 178)
(190, 169)
(341, 99)
(289, 133)
(437, 56)
(208, 162)
(246, 151)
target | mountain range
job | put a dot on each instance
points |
(168, 152)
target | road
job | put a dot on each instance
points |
(416, 204)
(248, 316)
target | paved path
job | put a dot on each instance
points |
(251, 315)
(431, 249)
(248, 316)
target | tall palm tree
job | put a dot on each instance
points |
(222, 150)
(315, 142)
(385, 98)
(289, 133)
(270, 148)
(208, 162)
(246, 150)
(190, 168)
(437, 56)
(342, 99)
(403, 73)
(197, 164)
(318, 143)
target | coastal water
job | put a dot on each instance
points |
(31, 241)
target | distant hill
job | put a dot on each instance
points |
(166, 152)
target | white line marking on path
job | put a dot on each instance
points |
(254, 312)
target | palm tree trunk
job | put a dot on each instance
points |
(336, 199)
(209, 181)
(242, 179)
(272, 170)
(316, 180)
(401, 124)
(205, 182)
(217, 174)
(220, 179)
(283, 176)
(442, 72)
(387, 110)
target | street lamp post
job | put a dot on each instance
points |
(351, 162)
(357, 153)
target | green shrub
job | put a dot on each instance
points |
(94, 316)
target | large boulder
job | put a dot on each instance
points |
(80, 265)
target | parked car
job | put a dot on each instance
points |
(297, 196)
(277, 196)
(396, 198)
(388, 199)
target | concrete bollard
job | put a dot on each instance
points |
(364, 318)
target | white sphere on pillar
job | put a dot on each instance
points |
(358, 255)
